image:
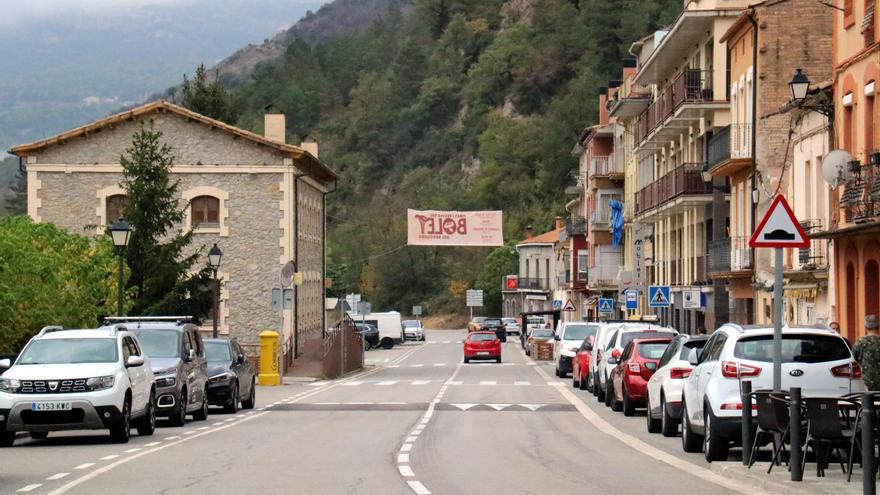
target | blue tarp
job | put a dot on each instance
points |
(616, 222)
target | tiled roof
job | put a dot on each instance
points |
(551, 237)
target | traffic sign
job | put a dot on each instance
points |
(557, 304)
(569, 306)
(364, 308)
(606, 305)
(691, 298)
(474, 297)
(417, 311)
(632, 299)
(658, 296)
(779, 228)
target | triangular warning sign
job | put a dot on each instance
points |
(779, 228)
(569, 306)
(659, 297)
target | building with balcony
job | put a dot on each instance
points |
(538, 274)
(763, 147)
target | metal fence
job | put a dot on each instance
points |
(343, 349)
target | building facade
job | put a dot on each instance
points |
(260, 199)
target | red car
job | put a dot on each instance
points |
(629, 379)
(482, 345)
(580, 365)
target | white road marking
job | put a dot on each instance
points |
(453, 383)
(406, 471)
(175, 437)
(531, 364)
(508, 364)
(387, 383)
(189, 432)
(327, 403)
(415, 433)
(533, 407)
(488, 383)
(459, 341)
(420, 427)
(219, 423)
(151, 444)
(439, 364)
(393, 366)
(130, 451)
(447, 341)
(351, 384)
(317, 384)
(85, 466)
(57, 476)
(417, 365)
(360, 403)
(406, 447)
(411, 439)
(30, 487)
(522, 383)
(464, 407)
(108, 457)
(402, 458)
(203, 428)
(419, 488)
(499, 407)
(556, 384)
(393, 403)
(420, 382)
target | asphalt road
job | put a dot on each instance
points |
(417, 420)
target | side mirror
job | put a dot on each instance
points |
(612, 360)
(5, 364)
(692, 359)
(556, 337)
(134, 361)
(191, 355)
(239, 359)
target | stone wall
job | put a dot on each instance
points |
(310, 251)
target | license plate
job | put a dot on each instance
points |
(483, 353)
(50, 406)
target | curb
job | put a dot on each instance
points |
(760, 480)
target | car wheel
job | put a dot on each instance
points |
(653, 424)
(120, 430)
(498, 360)
(387, 343)
(467, 360)
(668, 424)
(583, 383)
(690, 441)
(629, 407)
(251, 401)
(147, 424)
(368, 345)
(202, 413)
(557, 372)
(607, 393)
(715, 448)
(595, 383)
(7, 438)
(178, 418)
(232, 407)
(39, 435)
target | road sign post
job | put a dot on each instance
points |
(606, 305)
(632, 300)
(778, 229)
(474, 298)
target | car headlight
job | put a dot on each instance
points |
(9, 385)
(166, 371)
(168, 381)
(222, 377)
(100, 382)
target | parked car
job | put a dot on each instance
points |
(569, 337)
(78, 380)
(412, 330)
(370, 334)
(476, 324)
(603, 335)
(629, 379)
(389, 325)
(580, 366)
(511, 326)
(534, 322)
(177, 357)
(231, 378)
(495, 325)
(538, 335)
(816, 359)
(482, 345)
(614, 349)
(666, 384)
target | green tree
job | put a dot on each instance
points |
(50, 276)
(164, 278)
(16, 197)
(206, 97)
(500, 262)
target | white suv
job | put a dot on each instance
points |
(666, 384)
(569, 337)
(816, 359)
(77, 380)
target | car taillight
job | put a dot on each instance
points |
(634, 368)
(732, 369)
(680, 372)
(850, 370)
(736, 406)
(530, 340)
(615, 353)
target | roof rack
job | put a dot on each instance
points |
(50, 329)
(119, 327)
(175, 319)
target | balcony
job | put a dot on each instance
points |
(607, 265)
(684, 180)
(813, 257)
(605, 166)
(730, 149)
(729, 256)
(576, 226)
(600, 219)
(530, 284)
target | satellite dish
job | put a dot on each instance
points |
(287, 273)
(834, 167)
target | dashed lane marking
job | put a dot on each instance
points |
(405, 471)
(131, 451)
(387, 383)
(151, 444)
(417, 365)
(108, 457)
(85, 465)
(57, 476)
(488, 383)
(420, 382)
(29, 488)
(439, 364)
(402, 458)
(418, 488)
(522, 383)
(406, 447)
(348, 384)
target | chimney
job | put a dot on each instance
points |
(311, 147)
(558, 222)
(529, 232)
(603, 112)
(274, 127)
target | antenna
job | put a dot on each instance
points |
(834, 169)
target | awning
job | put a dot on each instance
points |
(801, 291)
(865, 228)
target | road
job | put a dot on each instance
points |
(417, 420)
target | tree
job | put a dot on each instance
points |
(16, 197)
(207, 98)
(163, 277)
(500, 262)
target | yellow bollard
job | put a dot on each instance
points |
(269, 358)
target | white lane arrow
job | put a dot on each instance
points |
(464, 407)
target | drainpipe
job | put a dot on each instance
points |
(754, 136)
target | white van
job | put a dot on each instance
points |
(389, 325)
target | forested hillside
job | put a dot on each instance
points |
(460, 104)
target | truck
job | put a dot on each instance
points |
(389, 325)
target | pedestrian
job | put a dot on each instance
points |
(701, 331)
(835, 326)
(867, 353)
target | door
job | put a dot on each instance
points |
(137, 376)
(189, 366)
(707, 368)
(200, 368)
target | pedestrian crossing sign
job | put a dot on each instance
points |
(658, 296)
(606, 305)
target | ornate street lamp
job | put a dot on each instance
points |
(120, 232)
(799, 85)
(214, 257)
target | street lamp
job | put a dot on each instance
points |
(799, 85)
(120, 232)
(214, 257)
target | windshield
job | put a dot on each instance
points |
(160, 343)
(795, 348)
(652, 350)
(579, 332)
(542, 333)
(410, 323)
(482, 337)
(690, 345)
(493, 322)
(628, 337)
(69, 351)
(217, 352)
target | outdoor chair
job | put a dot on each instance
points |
(855, 400)
(826, 433)
(773, 422)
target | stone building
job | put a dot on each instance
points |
(260, 199)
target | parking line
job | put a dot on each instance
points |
(57, 476)
(30, 487)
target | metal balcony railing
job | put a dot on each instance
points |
(532, 283)
(688, 86)
(576, 226)
(719, 147)
(600, 219)
(605, 165)
(730, 255)
(813, 257)
(684, 179)
(733, 141)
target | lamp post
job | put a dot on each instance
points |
(214, 257)
(800, 86)
(120, 232)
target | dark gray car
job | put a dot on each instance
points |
(231, 378)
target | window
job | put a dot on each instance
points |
(205, 211)
(849, 17)
(869, 123)
(115, 208)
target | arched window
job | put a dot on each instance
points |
(205, 211)
(115, 208)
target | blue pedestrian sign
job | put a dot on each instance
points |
(606, 305)
(632, 299)
(557, 304)
(658, 296)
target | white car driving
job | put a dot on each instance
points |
(569, 337)
(511, 326)
(666, 384)
(816, 359)
(77, 380)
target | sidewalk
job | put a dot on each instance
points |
(779, 481)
